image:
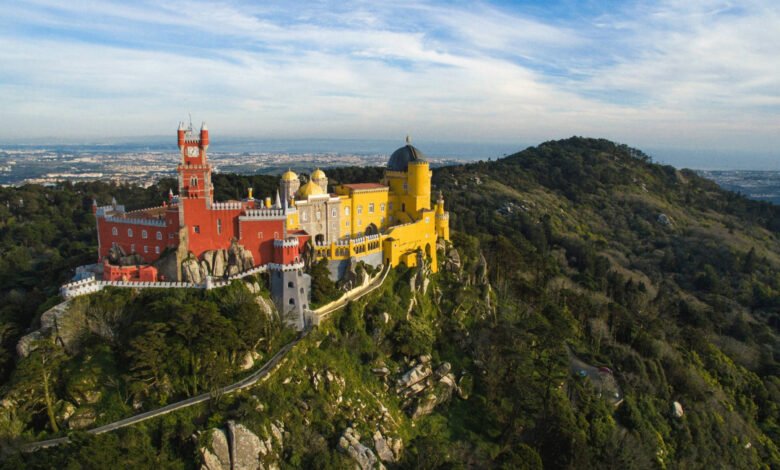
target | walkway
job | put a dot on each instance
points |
(250, 380)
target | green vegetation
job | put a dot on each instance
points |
(577, 247)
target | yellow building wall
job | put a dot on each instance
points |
(360, 216)
(293, 221)
(403, 241)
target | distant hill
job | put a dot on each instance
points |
(595, 310)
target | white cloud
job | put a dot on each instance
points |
(684, 74)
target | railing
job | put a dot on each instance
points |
(136, 221)
(91, 285)
(227, 206)
(254, 214)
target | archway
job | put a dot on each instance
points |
(319, 239)
(371, 229)
(428, 251)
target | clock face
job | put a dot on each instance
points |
(193, 151)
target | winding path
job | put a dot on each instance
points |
(261, 374)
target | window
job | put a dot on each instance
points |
(391, 206)
(196, 228)
(132, 248)
(194, 182)
(382, 207)
(403, 207)
(427, 220)
(129, 232)
(144, 234)
(406, 187)
(114, 231)
(304, 216)
(333, 212)
(259, 235)
(159, 235)
(170, 236)
(346, 211)
(219, 226)
(382, 221)
(292, 301)
(360, 210)
(276, 235)
(146, 249)
(318, 215)
(290, 284)
(371, 208)
(157, 250)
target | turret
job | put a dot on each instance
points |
(182, 134)
(204, 136)
(442, 219)
(94, 206)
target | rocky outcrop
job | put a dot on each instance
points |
(239, 257)
(238, 448)
(191, 271)
(56, 322)
(452, 262)
(362, 455)
(354, 275)
(387, 449)
(216, 455)
(423, 388)
(82, 418)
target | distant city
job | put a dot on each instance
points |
(146, 163)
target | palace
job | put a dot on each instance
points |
(191, 237)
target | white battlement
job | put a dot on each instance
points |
(137, 221)
(286, 243)
(221, 206)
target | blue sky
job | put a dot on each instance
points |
(662, 74)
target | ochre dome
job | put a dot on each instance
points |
(318, 174)
(309, 189)
(400, 159)
(289, 175)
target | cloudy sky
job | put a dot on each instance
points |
(679, 74)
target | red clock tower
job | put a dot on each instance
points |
(195, 189)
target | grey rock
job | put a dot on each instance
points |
(677, 410)
(387, 448)
(27, 343)
(362, 455)
(245, 447)
(216, 456)
(82, 418)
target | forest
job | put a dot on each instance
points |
(579, 248)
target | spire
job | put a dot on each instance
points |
(408, 139)
(278, 203)
(170, 194)
(113, 202)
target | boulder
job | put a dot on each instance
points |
(245, 447)
(190, 271)
(362, 455)
(27, 343)
(414, 375)
(82, 418)
(677, 410)
(216, 456)
(218, 263)
(387, 448)
(248, 361)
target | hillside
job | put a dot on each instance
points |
(594, 310)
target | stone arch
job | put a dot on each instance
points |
(372, 229)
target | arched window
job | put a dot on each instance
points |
(346, 211)
(290, 284)
(318, 215)
(304, 216)
(219, 226)
(146, 249)
(157, 250)
(114, 231)
(382, 207)
(159, 235)
(292, 301)
(194, 182)
(144, 234)
(371, 208)
(360, 209)
(333, 212)
(129, 232)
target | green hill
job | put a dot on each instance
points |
(594, 310)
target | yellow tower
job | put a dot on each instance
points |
(442, 219)
(409, 177)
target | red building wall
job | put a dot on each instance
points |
(129, 236)
(258, 236)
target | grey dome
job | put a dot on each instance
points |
(401, 157)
